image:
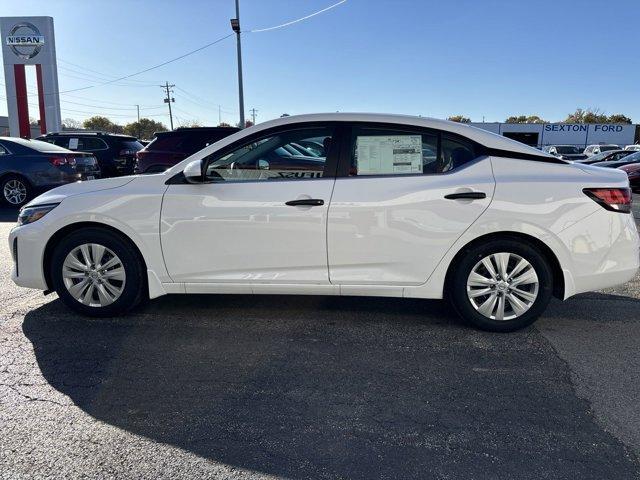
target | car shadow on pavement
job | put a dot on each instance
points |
(328, 387)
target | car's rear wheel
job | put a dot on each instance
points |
(96, 272)
(16, 191)
(501, 286)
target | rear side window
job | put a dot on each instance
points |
(456, 152)
(404, 152)
(59, 141)
(187, 142)
(168, 143)
(90, 144)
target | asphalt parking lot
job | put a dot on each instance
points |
(304, 387)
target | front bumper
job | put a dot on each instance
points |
(27, 244)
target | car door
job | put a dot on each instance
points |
(403, 198)
(259, 217)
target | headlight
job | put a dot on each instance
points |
(35, 212)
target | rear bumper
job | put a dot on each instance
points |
(604, 250)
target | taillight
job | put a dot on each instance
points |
(614, 199)
(59, 161)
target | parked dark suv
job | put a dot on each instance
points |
(115, 153)
(169, 148)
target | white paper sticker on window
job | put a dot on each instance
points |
(381, 155)
(73, 144)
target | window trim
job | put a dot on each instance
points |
(330, 166)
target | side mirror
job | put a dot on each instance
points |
(263, 164)
(193, 172)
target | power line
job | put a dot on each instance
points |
(101, 73)
(60, 92)
(256, 30)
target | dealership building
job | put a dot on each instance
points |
(578, 134)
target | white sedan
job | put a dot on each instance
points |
(339, 204)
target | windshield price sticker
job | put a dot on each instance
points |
(395, 154)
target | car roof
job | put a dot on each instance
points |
(479, 135)
(180, 130)
(76, 133)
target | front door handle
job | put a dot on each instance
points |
(466, 196)
(306, 202)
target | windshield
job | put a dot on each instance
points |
(568, 150)
(633, 158)
(37, 145)
(608, 148)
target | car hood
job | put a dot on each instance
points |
(77, 188)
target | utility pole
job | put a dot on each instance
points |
(169, 99)
(138, 108)
(235, 26)
(253, 115)
(219, 115)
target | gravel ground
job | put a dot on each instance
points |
(304, 387)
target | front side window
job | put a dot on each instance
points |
(278, 157)
(3, 151)
(399, 152)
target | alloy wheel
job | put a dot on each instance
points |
(93, 275)
(502, 286)
(15, 192)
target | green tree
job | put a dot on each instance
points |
(619, 118)
(590, 115)
(459, 119)
(101, 123)
(525, 119)
(71, 123)
(144, 129)
(191, 124)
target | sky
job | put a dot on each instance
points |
(484, 59)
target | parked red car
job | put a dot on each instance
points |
(170, 148)
(633, 172)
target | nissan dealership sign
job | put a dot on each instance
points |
(25, 40)
(28, 43)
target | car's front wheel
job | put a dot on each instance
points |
(502, 285)
(96, 272)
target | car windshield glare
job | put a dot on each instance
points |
(568, 150)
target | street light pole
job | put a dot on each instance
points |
(235, 26)
(138, 108)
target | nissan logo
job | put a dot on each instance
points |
(25, 40)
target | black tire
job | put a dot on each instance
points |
(457, 287)
(135, 286)
(22, 183)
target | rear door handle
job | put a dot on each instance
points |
(309, 202)
(466, 196)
